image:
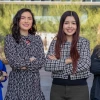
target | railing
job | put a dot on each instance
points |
(39, 2)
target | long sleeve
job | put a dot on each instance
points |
(13, 57)
(95, 63)
(40, 56)
(84, 61)
(1, 65)
(54, 65)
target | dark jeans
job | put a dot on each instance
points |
(59, 92)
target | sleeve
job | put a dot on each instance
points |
(95, 63)
(84, 61)
(1, 65)
(54, 65)
(40, 56)
(11, 54)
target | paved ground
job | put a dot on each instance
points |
(46, 82)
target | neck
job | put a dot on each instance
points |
(69, 38)
(24, 33)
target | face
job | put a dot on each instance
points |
(26, 21)
(69, 26)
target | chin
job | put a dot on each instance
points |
(26, 29)
(69, 34)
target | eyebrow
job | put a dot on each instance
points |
(68, 21)
(28, 17)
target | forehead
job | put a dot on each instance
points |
(69, 18)
(26, 14)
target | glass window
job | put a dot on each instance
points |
(55, 0)
(86, 0)
(95, 0)
(35, 0)
(45, 0)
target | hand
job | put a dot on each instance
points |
(2, 78)
(32, 59)
(5, 61)
(68, 61)
(23, 68)
(52, 57)
(4, 73)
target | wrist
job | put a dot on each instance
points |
(66, 61)
(1, 77)
(32, 58)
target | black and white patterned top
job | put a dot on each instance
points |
(61, 70)
(18, 55)
(24, 84)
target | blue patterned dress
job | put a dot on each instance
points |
(24, 84)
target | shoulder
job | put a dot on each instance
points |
(37, 40)
(54, 40)
(37, 37)
(83, 40)
(96, 48)
(9, 41)
(9, 38)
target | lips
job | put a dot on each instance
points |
(69, 30)
(26, 25)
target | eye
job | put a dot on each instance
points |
(30, 18)
(22, 17)
(65, 22)
(73, 23)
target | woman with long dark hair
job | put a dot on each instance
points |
(25, 54)
(95, 69)
(68, 59)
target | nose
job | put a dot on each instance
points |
(70, 25)
(26, 20)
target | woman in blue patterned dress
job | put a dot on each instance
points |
(25, 54)
(3, 77)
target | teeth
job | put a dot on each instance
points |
(26, 25)
(69, 30)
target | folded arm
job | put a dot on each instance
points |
(40, 56)
(53, 64)
(13, 57)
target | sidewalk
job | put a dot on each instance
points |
(46, 82)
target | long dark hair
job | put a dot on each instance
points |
(61, 38)
(97, 50)
(15, 29)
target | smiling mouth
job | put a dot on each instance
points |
(26, 25)
(69, 30)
